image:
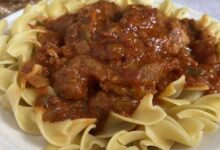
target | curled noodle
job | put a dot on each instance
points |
(183, 117)
(171, 10)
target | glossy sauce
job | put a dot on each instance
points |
(104, 59)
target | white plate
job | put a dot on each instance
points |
(12, 138)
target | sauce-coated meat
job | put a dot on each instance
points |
(105, 58)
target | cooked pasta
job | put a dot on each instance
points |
(183, 115)
(170, 10)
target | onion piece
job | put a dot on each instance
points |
(38, 81)
(82, 47)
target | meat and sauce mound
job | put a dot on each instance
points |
(105, 58)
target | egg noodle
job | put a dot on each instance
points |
(183, 116)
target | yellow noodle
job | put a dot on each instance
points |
(183, 117)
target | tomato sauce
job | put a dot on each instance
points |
(105, 58)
